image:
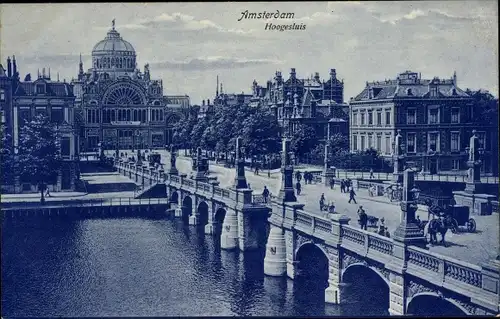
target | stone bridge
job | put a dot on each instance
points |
(408, 275)
(406, 272)
(236, 214)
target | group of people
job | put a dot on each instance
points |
(308, 177)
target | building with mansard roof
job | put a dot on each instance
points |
(23, 100)
(121, 106)
(434, 116)
(311, 101)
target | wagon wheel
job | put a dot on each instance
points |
(471, 225)
(454, 225)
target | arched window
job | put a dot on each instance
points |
(135, 115)
(123, 95)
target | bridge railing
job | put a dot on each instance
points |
(95, 202)
(444, 270)
(459, 178)
(259, 199)
(365, 242)
(441, 270)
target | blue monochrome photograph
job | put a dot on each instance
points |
(277, 159)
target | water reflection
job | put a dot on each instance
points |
(141, 267)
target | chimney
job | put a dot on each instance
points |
(203, 103)
(455, 78)
(292, 73)
(43, 73)
(333, 73)
(208, 102)
(9, 67)
(14, 66)
(316, 76)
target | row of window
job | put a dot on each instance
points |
(119, 62)
(363, 145)
(433, 116)
(369, 120)
(433, 142)
(411, 117)
(2, 95)
(55, 115)
(108, 116)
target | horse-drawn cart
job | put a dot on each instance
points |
(459, 216)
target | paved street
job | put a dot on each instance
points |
(472, 247)
(477, 247)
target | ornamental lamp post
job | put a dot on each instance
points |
(408, 231)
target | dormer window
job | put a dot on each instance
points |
(40, 88)
(454, 92)
(156, 103)
(409, 92)
(93, 102)
(434, 91)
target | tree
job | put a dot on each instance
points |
(261, 133)
(485, 108)
(39, 157)
(304, 139)
(7, 161)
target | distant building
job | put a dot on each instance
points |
(121, 106)
(434, 116)
(306, 101)
(205, 109)
(9, 79)
(22, 101)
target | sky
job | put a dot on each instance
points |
(188, 44)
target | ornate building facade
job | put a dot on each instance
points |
(122, 107)
(434, 116)
(305, 101)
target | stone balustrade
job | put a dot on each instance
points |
(445, 272)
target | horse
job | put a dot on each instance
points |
(435, 226)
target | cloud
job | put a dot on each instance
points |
(54, 59)
(198, 64)
(177, 22)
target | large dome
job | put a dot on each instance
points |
(113, 43)
(113, 54)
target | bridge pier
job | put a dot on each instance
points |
(275, 263)
(229, 237)
(193, 219)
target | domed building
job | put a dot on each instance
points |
(120, 106)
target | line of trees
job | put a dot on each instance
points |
(257, 127)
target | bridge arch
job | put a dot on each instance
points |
(361, 281)
(187, 208)
(432, 304)
(312, 262)
(218, 219)
(202, 212)
(174, 197)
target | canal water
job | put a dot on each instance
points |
(149, 267)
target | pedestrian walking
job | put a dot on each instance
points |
(351, 196)
(371, 173)
(47, 191)
(332, 183)
(265, 194)
(322, 202)
(298, 176)
(342, 186)
(363, 217)
(298, 187)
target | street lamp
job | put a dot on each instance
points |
(415, 193)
